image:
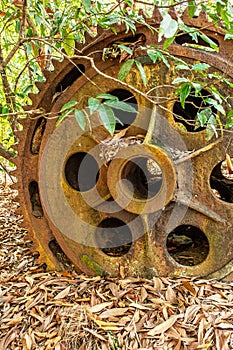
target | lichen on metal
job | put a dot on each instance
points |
(158, 204)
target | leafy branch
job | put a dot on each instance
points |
(104, 105)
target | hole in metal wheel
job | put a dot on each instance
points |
(33, 189)
(76, 72)
(198, 43)
(125, 118)
(60, 255)
(82, 171)
(186, 118)
(37, 135)
(144, 176)
(113, 236)
(188, 245)
(221, 181)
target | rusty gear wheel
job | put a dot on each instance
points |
(161, 204)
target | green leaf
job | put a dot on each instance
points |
(229, 123)
(114, 30)
(182, 67)
(216, 105)
(168, 27)
(81, 119)
(204, 115)
(69, 44)
(5, 110)
(29, 48)
(200, 67)
(197, 88)
(157, 55)
(180, 80)
(107, 97)
(194, 36)
(119, 121)
(28, 88)
(211, 129)
(87, 5)
(228, 36)
(126, 48)
(108, 21)
(17, 26)
(93, 104)
(212, 44)
(168, 42)
(68, 105)
(184, 91)
(107, 116)
(29, 32)
(125, 68)
(153, 54)
(129, 23)
(216, 94)
(163, 59)
(141, 71)
(62, 117)
(126, 107)
(192, 7)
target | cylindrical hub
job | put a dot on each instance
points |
(142, 179)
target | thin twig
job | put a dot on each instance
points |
(198, 152)
(5, 153)
(7, 172)
(150, 130)
(20, 38)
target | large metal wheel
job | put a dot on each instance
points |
(161, 206)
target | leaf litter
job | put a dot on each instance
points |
(67, 311)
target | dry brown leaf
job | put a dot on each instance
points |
(139, 306)
(191, 312)
(9, 337)
(30, 280)
(46, 334)
(171, 295)
(201, 328)
(158, 284)
(94, 333)
(229, 164)
(104, 324)
(189, 286)
(218, 298)
(114, 312)
(63, 293)
(60, 346)
(14, 321)
(143, 294)
(27, 342)
(100, 307)
(34, 301)
(136, 316)
(223, 339)
(164, 326)
(225, 325)
(122, 271)
(114, 289)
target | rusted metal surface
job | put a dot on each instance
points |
(127, 213)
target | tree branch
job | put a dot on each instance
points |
(5, 153)
(21, 36)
